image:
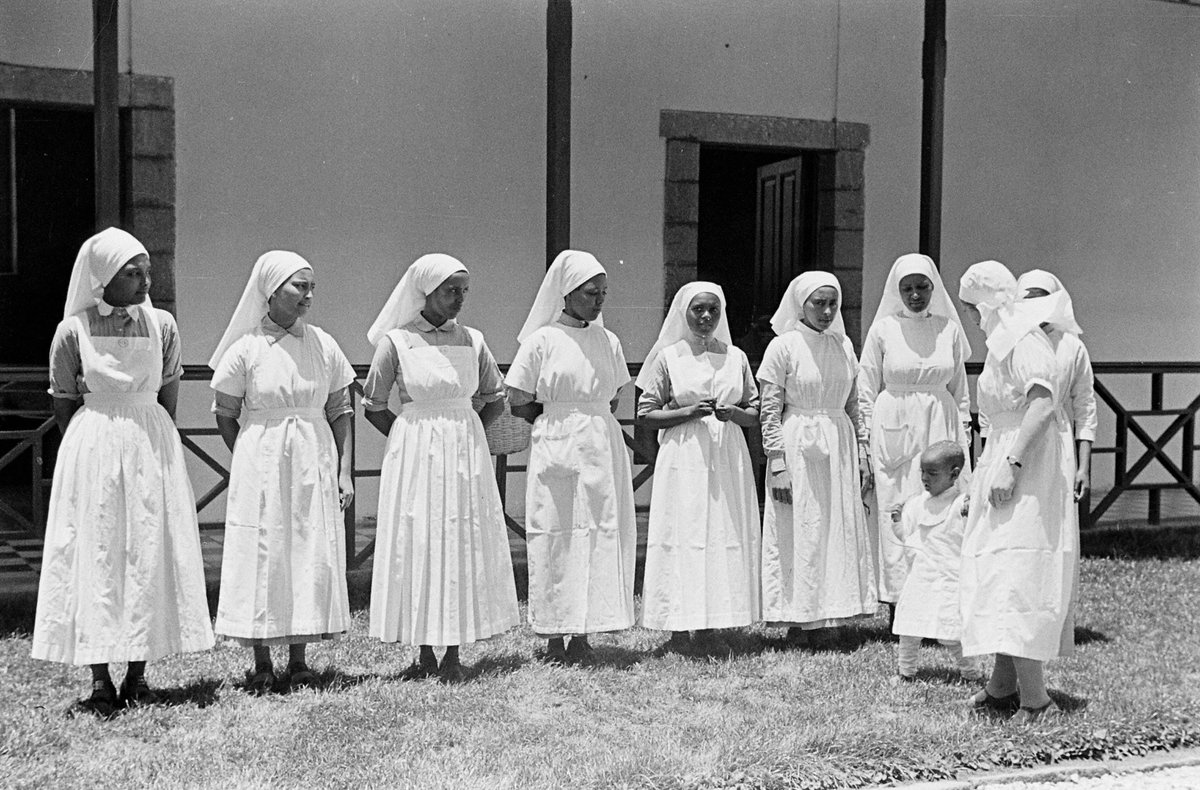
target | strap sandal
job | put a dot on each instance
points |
(136, 693)
(301, 677)
(102, 703)
(262, 682)
(1026, 715)
(985, 704)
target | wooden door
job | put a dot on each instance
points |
(785, 230)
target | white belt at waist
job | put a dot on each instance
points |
(788, 410)
(304, 413)
(435, 405)
(584, 406)
(903, 388)
(101, 399)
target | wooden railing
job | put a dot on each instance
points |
(1134, 450)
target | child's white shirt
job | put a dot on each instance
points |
(931, 529)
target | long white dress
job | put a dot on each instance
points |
(122, 575)
(442, 573)
(818, 567)
(703, 544)
(283, 568)
(932, 531)
(580, 526)
(1020, 559)
(912, 391)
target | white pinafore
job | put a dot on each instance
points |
(702, 548)
(442, 571)
(122, 575)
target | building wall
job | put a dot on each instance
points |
(365, 133)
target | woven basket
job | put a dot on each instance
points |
(507, 435)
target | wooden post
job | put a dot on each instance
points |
(558, 127)
(933, 77)
(107, 116)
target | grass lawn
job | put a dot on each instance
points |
(769, 717)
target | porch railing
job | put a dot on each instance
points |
(1135, 452)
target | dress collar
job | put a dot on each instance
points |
(105, 309)
(571, 321)
(422, 324)
(272, 329)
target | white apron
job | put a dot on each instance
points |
(928, 605)
(122, 574)
(283, 568)
(442, 571)
(818, 567)
(702, 549)
(1020, 560)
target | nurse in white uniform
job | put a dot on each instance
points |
(566, 380)
(702, 548)
(283, 569)
(1021, 540)
(818, 568)
(912, 392)
(122, 576)
(443, 574)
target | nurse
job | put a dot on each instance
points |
(818, 569)
(1074, 377)
(282, 405)
(1021, 540)
(912, 391)
(702, 549)
(443, 574)
(566, 380)
(122, 575)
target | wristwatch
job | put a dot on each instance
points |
(1013, 462)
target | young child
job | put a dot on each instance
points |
(931, 530)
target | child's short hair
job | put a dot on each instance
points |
(945, 452)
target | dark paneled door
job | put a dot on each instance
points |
(785, 232)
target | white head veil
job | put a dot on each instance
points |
(939, 300)
(1039, 278)
(271, 270)
(570, 270)
(791, 307)
(98, 261)
(675, 326)
(408, 297)
(991, 287)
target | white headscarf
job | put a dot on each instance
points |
(791, 307)
(98, 261)
(991, 287)
(570, 270)
(408, 297)
(939, 301)
(675, 326)
(1039, 278)
(271, 270)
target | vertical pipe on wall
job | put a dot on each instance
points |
(933, 77)
(558, 127)
(107, 118)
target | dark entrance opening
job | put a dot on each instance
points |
(46, 213)
(757, 230)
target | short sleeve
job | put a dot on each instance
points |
(527, 365)
(749, 386)
(66, 366)
(774, 367)
(657, 393)
(491, 384)
(341, 372)
(172, 353)
(622, 367)
(229, 376)
(385, 366)
(1033, 362)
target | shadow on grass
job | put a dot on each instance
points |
(1085, 635)
(1067, 703)
(1139, 542)
(495, 665)
(200, 693)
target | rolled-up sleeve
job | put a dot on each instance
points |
(66, 367)
(385, 367)
(657, 393)
(491, 383)
(338, 403)
(172, 353)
